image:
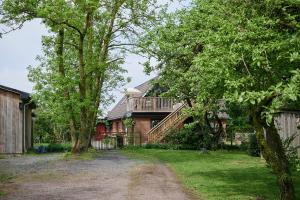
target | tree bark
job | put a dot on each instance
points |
(216, 133)
(61, 69)
(274, 154)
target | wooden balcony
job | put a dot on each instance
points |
(150, 104)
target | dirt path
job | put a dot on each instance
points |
(109, 177)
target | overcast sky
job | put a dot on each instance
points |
(19, 49)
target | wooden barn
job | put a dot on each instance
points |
(15, 120)
(288, 124)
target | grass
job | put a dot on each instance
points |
(4, 178)
(218, 175)
(91, 154)
(2, 193)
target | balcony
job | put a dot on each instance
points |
(150, 104)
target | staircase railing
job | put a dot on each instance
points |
(158, 132)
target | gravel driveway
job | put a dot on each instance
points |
(110, 176)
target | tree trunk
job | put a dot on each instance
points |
(61, 69)
(274, 154)
(215, 132)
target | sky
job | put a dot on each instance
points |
(19, 49)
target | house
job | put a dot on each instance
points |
(142, 116)
(15, 120)
(144, 107)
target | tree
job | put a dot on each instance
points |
(245, 52)
(82, 55)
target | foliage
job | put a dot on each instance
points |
(168, 146)
(128, 122)
(109, 140)
(220, 174)
(47, 130)
(253, 147)
(246, 52)
(52, 147)
(191, 136)
(82, 55)
(291, 151)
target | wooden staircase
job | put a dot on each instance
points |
(157, 133)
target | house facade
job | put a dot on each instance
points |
(142, 117)
(15, 120)
(145, 109)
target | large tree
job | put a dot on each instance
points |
(82, 55)
(245, 52)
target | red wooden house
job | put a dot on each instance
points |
(151, 115)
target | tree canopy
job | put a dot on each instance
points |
(82, 56)
(245, 52)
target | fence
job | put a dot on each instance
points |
(110, 142)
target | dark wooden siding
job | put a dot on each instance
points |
(287, 126)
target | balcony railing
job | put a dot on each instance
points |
(150, 104)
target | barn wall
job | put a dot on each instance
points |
(10, 123)
(286, 123)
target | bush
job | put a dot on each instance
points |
(52, 147)
(191, 137)
(253, 148)
(59, 147)
(230, 147)
(291, 152)
(162, 146)
(244, 146)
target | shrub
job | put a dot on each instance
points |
(56, 147)
(52, 147)
(230, 147)
(191, 137)
(244, 146)
(291, 152)
(162, 146)
(253, 148)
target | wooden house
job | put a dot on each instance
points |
(15, 120)
(144, 107)
(150, 116)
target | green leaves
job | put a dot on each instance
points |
(236, 50)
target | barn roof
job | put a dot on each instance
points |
(120, 108)
(23, 95)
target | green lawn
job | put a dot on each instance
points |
(219, 175)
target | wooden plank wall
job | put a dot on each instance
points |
(286, 123)
(10, 123)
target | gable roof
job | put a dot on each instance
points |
(120, 108)
(23, 95)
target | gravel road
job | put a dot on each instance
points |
(111, 176)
